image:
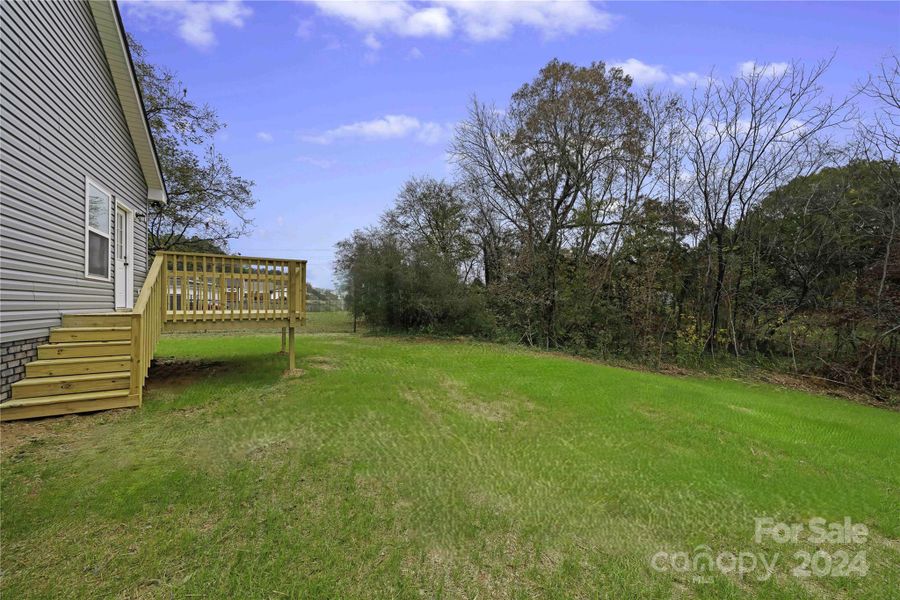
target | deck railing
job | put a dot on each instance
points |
(184, 287)
(146, 326)
(211, 287)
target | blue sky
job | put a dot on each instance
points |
(331, 106)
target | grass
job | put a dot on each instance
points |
(330, 322)
(405, 468)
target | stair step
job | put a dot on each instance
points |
(70, 384)
(89, 334)
(65, 404)
(83, 349)
(97, 320)
(77, 366)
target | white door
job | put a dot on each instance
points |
(124, 268)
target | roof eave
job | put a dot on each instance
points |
(115, 47)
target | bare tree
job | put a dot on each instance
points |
(882, 134)
(641, 173)
(746, 135)
(541, 163)
(879, 143)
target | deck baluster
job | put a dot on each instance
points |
(197, 292)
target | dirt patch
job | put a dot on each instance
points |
(503, 576)
(323, 363)
(819, 385)
(16, 434)
(651, 413)
(171, 373)
(294, 373)
(261, 448)
(489, 412)
(450, 396)
(187, 411)
(369, 486)
(495, 411)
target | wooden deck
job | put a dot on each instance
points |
(100, 361)
(175, 319)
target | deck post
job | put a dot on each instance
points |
(283, 339)
(292, 292)
(164, 276)
(302, 282)
(293, 303)
(137, 360)
(292, 355)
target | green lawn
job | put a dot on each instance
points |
(392, 467)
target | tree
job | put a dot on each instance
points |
(820, 244)
(546, 167)
(652, 268)
(207, 203)
(746, 135)
(433, 213)
(655, 227)
(413, 271)
(879, 143)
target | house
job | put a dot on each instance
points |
(81, 304)
(77, 172)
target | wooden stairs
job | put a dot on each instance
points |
(100, 361)
(85, 367)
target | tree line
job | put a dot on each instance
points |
(753, 217)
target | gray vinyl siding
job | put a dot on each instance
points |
(60, 122)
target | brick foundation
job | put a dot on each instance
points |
(13, 358)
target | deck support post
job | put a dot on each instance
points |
(283, 340)
(137, 360)
(292, 354)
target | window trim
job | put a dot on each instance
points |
(90, 181)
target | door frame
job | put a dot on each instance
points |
(129, 254)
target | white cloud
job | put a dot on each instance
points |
(429, 21)
(686, 78)
(386, 128)
(414, 54)
(372, 42)
(400, 18)
(431, 133)
(646, 74)
(495, 20)
(642, 73)
(477, 20)
(774, 69)
(195, 20)
(320, 163)
(264, 136)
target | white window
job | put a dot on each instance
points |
(97, 239)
